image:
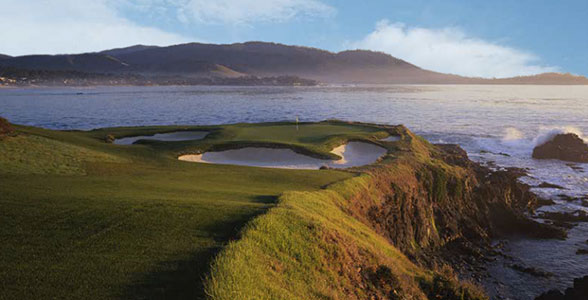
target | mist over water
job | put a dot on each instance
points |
(497, 125)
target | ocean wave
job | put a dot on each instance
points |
(548, 133)
(516, 142)
(514, 138)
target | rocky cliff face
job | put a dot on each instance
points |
(438, 207)
(425, 204)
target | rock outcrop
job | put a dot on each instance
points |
(568, 147)
(448, 202)
(578, 292)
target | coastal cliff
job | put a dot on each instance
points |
(393, 232)
(410, 226)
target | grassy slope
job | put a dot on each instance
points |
(84, 218)
(305, 248)
(310, 247)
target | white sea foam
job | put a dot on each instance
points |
(515, 140)
(548, 133)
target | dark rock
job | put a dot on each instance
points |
(544, 202)
(551, 295)
(563, 224)
(531, 271)
(577, 216)
(578, 292)
(490, 152)
(517, 172)
(575, 167)
(568, 147)
(509, 219)
(547, 185)
(582, 251)
(566, 197)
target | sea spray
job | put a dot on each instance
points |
(548, 133)
(515, 140)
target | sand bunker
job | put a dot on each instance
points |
(353, 154)
(167, 137)
(392, 138)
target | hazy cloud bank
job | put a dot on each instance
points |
(450, 50)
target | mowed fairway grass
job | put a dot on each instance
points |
(81, 218)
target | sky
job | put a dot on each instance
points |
(498, 38)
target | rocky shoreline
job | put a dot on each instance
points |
(578, 291)
(470, 258)
(481, 212)
(453, 212)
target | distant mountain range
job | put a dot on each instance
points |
(254, 60)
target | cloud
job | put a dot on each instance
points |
(245, 12)
(72, 26)
(450, 50)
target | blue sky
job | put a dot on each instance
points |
(496, 38)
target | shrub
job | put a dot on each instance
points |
(5, 128)
(109, 139)
(446, 285)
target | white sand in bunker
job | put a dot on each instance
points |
(353, 154)
(166, 137)
(392, 138)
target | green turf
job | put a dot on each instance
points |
(85, 219)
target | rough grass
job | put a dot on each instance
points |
(306, 248)
(311, 247)
(82, 218)
(31, 154)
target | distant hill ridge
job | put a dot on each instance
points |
(262, 59)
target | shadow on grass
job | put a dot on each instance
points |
(183, 279)
(266, 199)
